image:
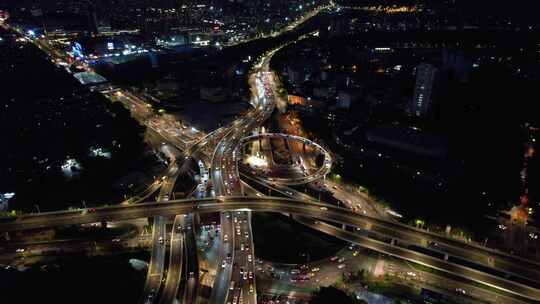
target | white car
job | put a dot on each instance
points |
(341, 266)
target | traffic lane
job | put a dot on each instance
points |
(192, 262)
(516, 290)
(268, 205)
(176, 255)
(225, 154)
(481, 257)
(157, 259)
(476, 255)
(482, 293)
(159, 236)
(220, 288)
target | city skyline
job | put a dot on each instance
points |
(269, 152)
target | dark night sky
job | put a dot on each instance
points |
(515, 7)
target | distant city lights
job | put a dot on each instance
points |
(69, 166)
(99, 152)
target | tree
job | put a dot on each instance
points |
(330, 294)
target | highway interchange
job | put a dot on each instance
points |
(218, 153)
(273, 204)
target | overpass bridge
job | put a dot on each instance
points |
(509, 286)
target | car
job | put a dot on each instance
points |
(223, 264)
(20, 250)
(245, 276)
(341, 260)
(324, 208)
(461, 291)
(251, 289)
(226, 238)
(250, 274)
(315, 269)
(249, 258)
(295, 271)
(341, 266)
(355, 253)
(334, 258)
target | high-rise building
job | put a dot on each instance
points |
(425, 79)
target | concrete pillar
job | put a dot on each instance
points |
(196, 222)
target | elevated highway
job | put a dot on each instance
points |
(319, 174)
(321, 211)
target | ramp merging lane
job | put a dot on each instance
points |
(274, 204)
(516, 278)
